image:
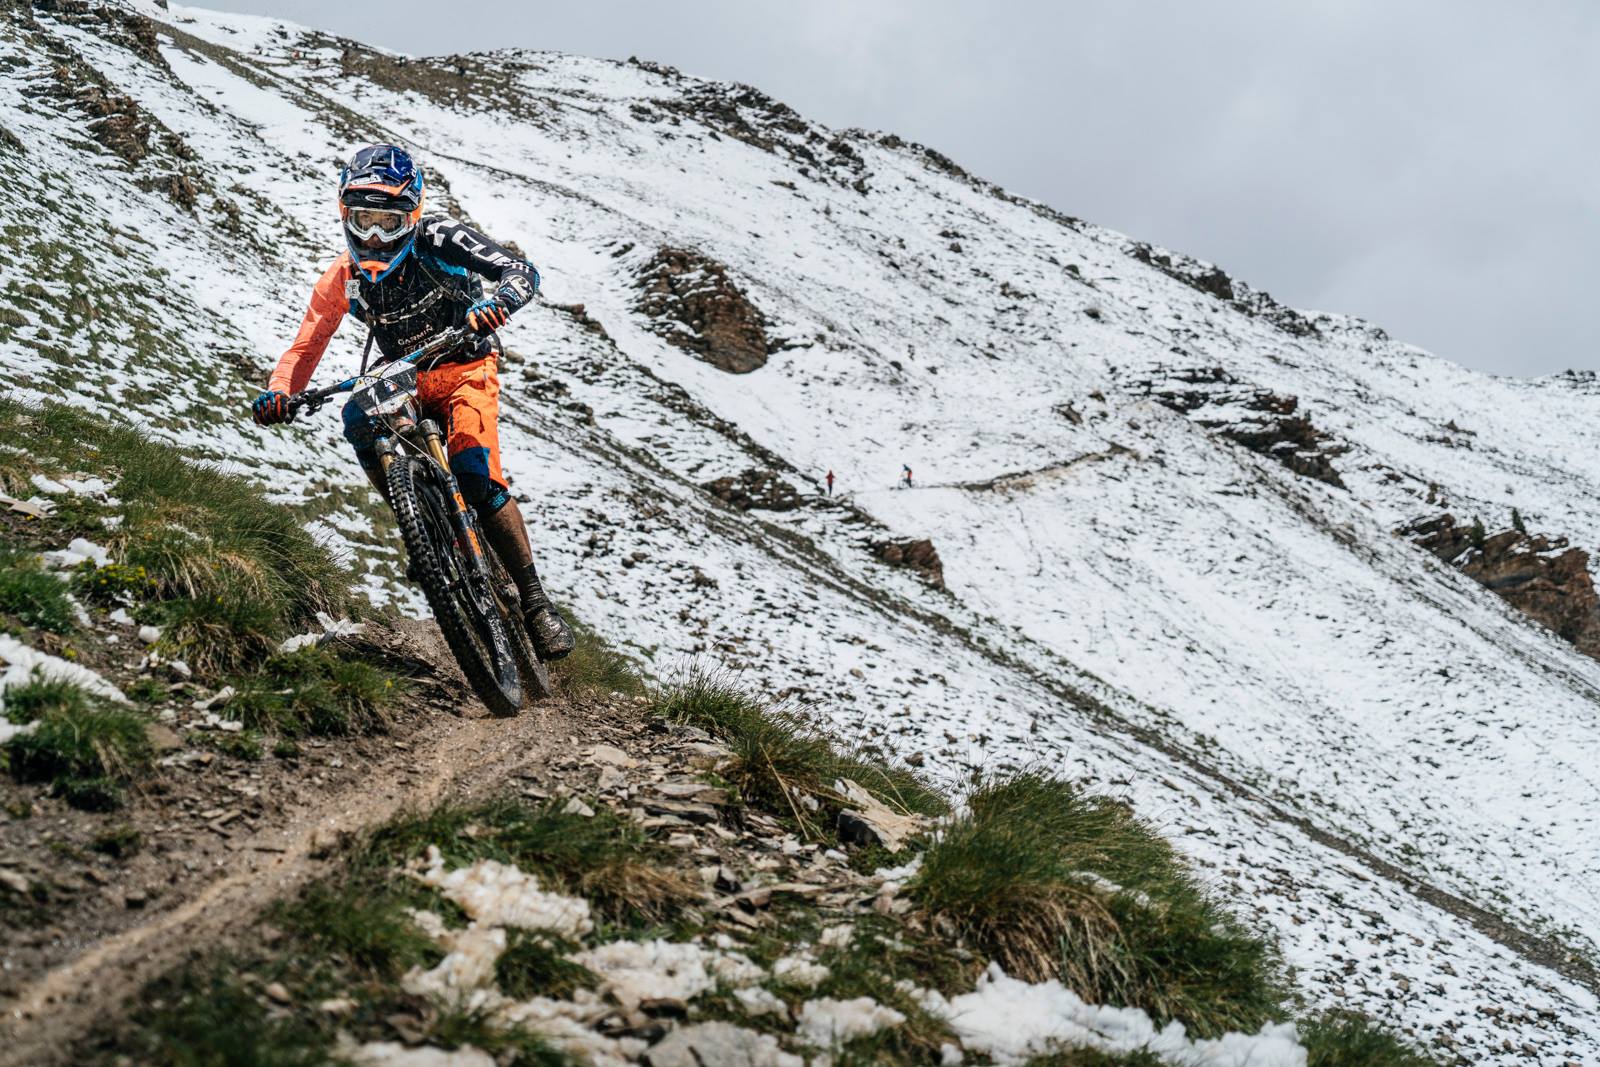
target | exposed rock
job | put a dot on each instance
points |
(749, 115)
(697, 307)
(1545, 578)
(129, 29)
(755, 490)
(577, 313)
(1267, 423)
(873, 822)
(1210, 279)
(920, 556)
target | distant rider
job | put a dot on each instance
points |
(409, 277)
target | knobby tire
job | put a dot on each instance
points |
(421, 509)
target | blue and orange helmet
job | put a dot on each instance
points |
(380, 201)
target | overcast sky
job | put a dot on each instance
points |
(1431, 166)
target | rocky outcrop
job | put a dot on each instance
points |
(1545, 578)
(755, 490)
(918, 555)
(1267, 423)
(1210, 279)
(746, 114)
(695, 305)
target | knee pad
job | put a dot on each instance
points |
(471, 468)
(359, 432)
(358, 428)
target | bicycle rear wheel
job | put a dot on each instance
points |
(465, 605)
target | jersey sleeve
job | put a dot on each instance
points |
(327, 310)
(516, 280)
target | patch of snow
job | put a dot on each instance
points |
(633, 971)
(1013, 1021)
(394, 1054)
(23, 664)
(498, 894)
(800, 970)
(468, 965)
(837, 936)
(895, 877)
(566, 1025)
(9, 729)
(331, 628)
(758, 1001)
(78, 550)
(827, 1022)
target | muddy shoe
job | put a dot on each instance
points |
(552, 637)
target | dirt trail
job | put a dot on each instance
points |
(456, 751)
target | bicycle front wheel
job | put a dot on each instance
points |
(464, 603)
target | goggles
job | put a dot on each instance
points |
(368, 222)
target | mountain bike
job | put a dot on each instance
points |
(473, 598)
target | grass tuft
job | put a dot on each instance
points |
(33, 595)
(207, 1018)
(604, 857)
(535, 964)
(779, 754)
(1342, 1039)
(1020, 878)
(361, 923)
(217, 634)
(84, 746)
(594, 668)
(231, 572)
(314, 691)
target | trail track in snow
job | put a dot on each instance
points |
(458, 751)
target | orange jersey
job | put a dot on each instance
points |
(328, 306)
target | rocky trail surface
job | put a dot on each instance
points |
(195, 892)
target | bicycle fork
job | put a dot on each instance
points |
(461, 516)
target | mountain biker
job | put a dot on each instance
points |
(409, 277)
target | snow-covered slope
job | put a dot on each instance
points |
(1393, 767)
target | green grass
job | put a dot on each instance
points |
(241, 744)
(351, 935)
(216, 634)
(362, 925)
(1345, 1040)
(231, 572)
(314, 692)
(604, 857)
(881, 953)
(115, 583)
(118, 842)
(146, 689)
(594, 669)
(85, 747)
(779, 753)
(33, 595)
(206, 1017)
(1009, 879)
(534, 964)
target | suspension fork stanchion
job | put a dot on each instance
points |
(386, 452)
(466, 529)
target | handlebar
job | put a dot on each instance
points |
(310, 400)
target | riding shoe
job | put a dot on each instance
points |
(552, 637)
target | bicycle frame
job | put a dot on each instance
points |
(401, 399)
